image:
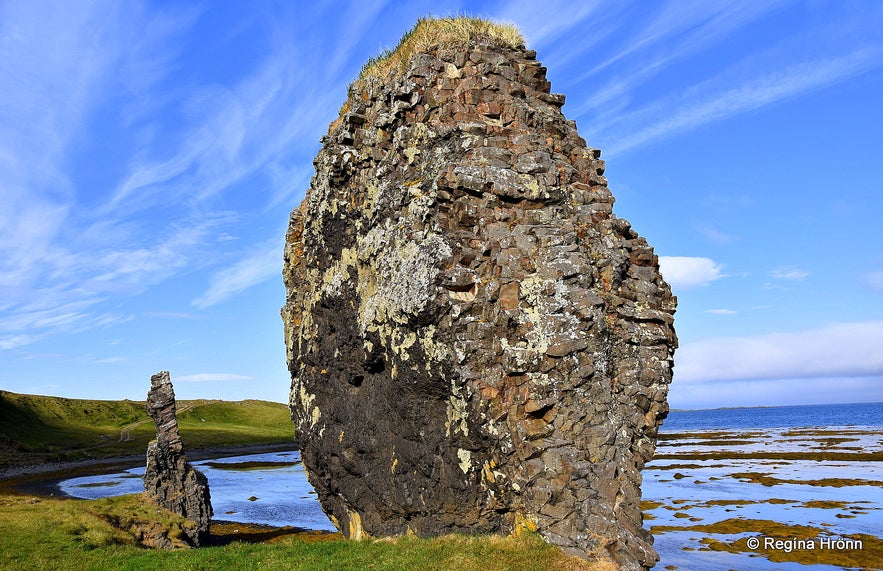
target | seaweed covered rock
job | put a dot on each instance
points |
(168, 479)
(476, 343)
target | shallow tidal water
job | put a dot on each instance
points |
(267, 489)
(817, 482)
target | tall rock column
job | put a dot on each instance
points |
(169, 480)
(476, 342)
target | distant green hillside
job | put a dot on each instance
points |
(34, 428)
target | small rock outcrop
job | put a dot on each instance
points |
(169, 480)
(476, 343)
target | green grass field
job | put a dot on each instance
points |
(54, 534)
(49, 533)
(43, 428)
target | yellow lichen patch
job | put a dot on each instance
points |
(465, 457)
(315, 415)
(488, 471)
(357, 532)
(523, 523)
(458, 413)
(411, 154)
(468, 295)
(395, 461)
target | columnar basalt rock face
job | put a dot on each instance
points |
(476, 342)
(169, 480)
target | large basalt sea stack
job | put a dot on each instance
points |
(168, 479)
(476, 343)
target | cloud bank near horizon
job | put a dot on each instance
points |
(838, 350)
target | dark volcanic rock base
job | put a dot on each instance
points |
(476, 343)
(168, 479)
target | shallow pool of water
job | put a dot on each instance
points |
(269, 489)
(687, 496)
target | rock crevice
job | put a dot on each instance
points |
(476, 343)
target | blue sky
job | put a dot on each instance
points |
(150, 153)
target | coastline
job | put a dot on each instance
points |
(42, 479)
(719, 498)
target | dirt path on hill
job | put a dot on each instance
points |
(126, 431)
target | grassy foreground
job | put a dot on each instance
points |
(50, 534)
(49, 429)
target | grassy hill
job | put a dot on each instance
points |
(43, 428)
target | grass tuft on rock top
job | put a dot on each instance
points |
(443, 32)
(56, 534)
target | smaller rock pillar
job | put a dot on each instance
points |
(169, 480)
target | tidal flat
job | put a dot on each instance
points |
(774, 498)
(269, 489)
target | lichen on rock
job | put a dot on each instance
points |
(169, 480)
(476, 343)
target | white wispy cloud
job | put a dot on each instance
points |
(359, 17)
(173, 315)
(835, 350)
(792, 273)
(8, 342)
(717, 236)
(152, 263)
(706, 105)
(541, 22)
(672, 32)
(685, 272)
(75, 282)
(46, 313)
(247, 272)
(197, 145)
(874, 280)
(233, 133)
(721, 311)
(58, 256)
(53, 63)
(212, 377)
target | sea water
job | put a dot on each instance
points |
(267, 489)
(819, 415)
(793, 465)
